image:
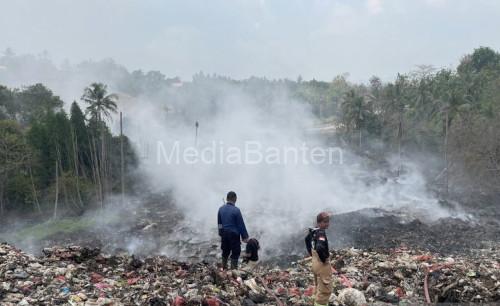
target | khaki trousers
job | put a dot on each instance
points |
(322, 280)
(249, 266)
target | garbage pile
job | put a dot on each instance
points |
(84, 276)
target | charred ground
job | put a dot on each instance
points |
(158, 227)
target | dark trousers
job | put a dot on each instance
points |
(230, 245)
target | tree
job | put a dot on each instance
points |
(101, 105)
(80, 137)
(482, 58)
(357, 113)
(46, 156)
(14, 156)
(35, 102)
(79, 141)
(50, 138)
(8, 107)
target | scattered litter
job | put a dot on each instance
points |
(85, 277)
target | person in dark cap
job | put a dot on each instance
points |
(231, 229)
(317, 247)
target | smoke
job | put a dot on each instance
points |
(277, 199)
(278, 195)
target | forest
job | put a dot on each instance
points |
(52, 160)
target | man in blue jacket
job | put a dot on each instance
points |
(231, 228)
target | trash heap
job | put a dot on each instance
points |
(83, 276)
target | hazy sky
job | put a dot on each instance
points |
(239, 38)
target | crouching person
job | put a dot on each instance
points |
(317, 247)
(251, 255)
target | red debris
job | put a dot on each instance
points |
(294, 292)
(400, 292)
(26, 289)
(280, 291)
(179, 301)
(96, 277)
(180, 273)
(133, 280)
(102, 286)
(212, 301)
(309, 291)
(61, 278)
(345, 281)
(423, 257)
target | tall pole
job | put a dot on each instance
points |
(122, 159)
(400, 136)
(196, 133)
(57, 187)
(446, 152)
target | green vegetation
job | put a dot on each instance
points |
(65, 225)
(52, 162)
(51, 227)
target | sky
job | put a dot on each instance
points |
(241, 38)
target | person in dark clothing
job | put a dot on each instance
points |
(252, 250)
(317, 247)
(251, 255)
(231, 228)
(317, 240)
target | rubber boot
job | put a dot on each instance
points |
(224, 263)
(234, 264)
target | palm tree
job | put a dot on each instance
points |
(356, 110)
(101, 105)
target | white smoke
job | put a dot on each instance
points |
(276, 200)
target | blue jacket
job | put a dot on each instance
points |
(229, 219)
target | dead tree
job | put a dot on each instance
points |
(56, 201)
(445, 151)
(96, 174)
(76, 166)
(35, 196)
(122, 161)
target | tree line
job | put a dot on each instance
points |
(53, 162)
(451, 114)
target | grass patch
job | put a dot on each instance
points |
(49, 228)
(68, 225)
